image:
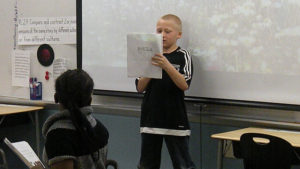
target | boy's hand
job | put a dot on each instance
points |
(161, 61)
(177, 78)
(37, 165)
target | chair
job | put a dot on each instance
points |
(276, 154)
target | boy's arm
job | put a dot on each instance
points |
(142, 84)
(37, 165)
(177, 78)
(67, 164)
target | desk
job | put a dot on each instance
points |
(6, 109)
(292, 137)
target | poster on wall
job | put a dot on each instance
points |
(20, 68)
(49, 30)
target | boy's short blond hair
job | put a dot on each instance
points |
(174, 18)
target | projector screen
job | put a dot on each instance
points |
(241, 50)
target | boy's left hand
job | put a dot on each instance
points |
(161, 61)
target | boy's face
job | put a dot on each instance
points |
(170, 32)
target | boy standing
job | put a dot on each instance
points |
(163, 114)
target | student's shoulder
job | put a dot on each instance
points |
(182, 51)
(183, 54)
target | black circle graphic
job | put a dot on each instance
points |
(45, 55)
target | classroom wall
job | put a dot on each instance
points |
(11, 11)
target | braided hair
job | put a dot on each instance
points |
(74, 90)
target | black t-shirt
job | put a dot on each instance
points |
(163, 107)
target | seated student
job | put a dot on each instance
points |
(74, 138)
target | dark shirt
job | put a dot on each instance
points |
(64, 142)
(163, 107)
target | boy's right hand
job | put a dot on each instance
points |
(161, 61)
(37, 165)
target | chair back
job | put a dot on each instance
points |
(276, 154)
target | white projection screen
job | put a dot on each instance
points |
(242, 50)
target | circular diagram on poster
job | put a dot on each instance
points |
(45, 55)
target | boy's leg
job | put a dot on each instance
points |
(178, 147)
(150, 151)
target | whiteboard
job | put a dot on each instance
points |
(11, 10)
(241, 50)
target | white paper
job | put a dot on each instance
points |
(24, 152)
(140, 50)
(50, 30)
(20, 68)
(60, 65)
